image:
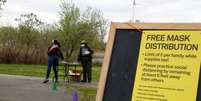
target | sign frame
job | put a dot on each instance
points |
(134, 26)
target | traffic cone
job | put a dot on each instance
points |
(75, 97)
(54, 86)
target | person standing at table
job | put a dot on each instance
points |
(85, 57)
(54, 53)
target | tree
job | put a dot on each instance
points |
(7, 44)
(96, 21)
(2, 2)
(29, 26)
(28, 35)
(27, 43)
(75, 27)
(68, 26)
(29, 21)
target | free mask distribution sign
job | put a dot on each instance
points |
(168, 66)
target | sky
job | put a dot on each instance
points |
(181, 11)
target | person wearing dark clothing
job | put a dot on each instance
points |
(54, 53)
(85, 57)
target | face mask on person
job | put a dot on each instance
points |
(52, 41)
(82, 45)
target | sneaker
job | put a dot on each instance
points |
(45, 81)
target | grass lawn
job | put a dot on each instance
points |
(37, 70)
(84, 93)
(25, 70)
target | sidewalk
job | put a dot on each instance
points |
(21, 88)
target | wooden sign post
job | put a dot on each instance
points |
(152, 62)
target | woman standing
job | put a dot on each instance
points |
(54, 53)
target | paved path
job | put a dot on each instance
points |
(19, 88)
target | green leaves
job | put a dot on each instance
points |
(32, 37)
(30, 21)
(76, 26)
(2, 2)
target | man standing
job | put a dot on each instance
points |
(85, 57)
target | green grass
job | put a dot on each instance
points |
(37, 70)
(25, 70)
(84, 93)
